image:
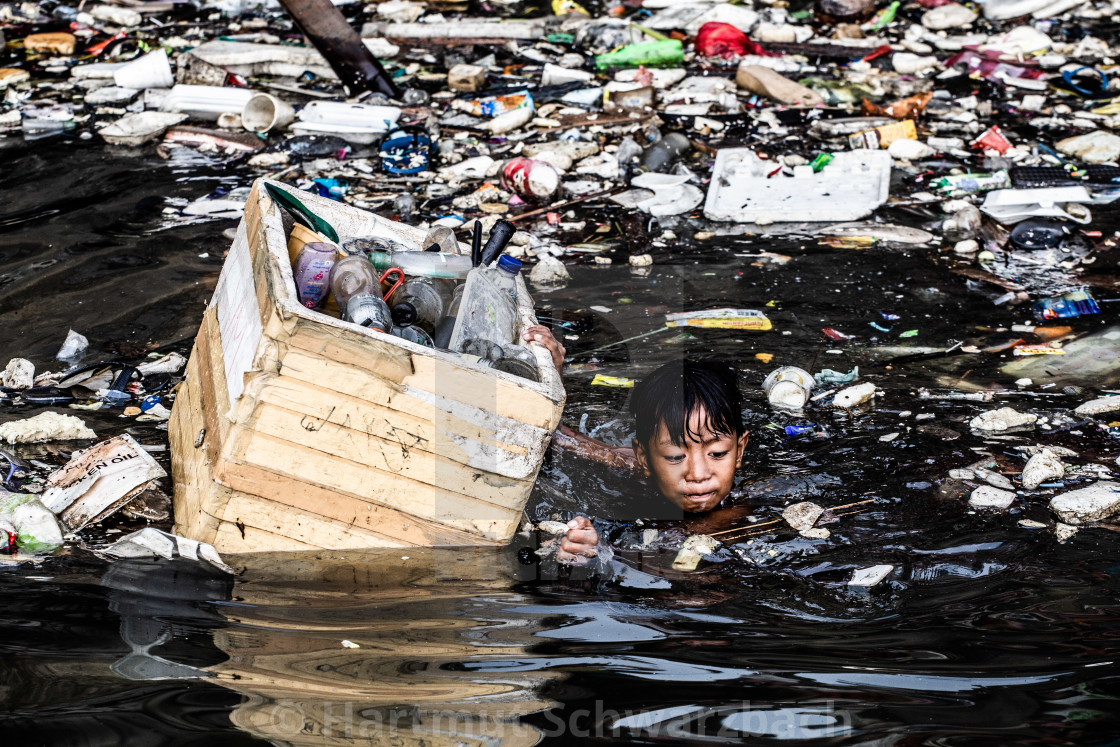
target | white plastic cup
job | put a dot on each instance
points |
(153, 70)
(264, 112)
(788, 387)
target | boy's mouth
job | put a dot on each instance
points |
(694, 498)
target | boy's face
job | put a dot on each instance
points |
(697, 475)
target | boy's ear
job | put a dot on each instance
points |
(742, 446)
(641, 456)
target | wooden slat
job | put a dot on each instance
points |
(478, 388)
(190, 467)
(351, 510)
(397, 458)
(334, 473)
(313, 531)
(422, 424)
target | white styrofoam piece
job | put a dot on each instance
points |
(1013, 205)
(850, 187)
(870, 576)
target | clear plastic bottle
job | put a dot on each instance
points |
(441, 338)
(356, 290)
(421, 302)
(505, 274)
(424, 264)
(312, 272)
(352, 276)
(486, 312)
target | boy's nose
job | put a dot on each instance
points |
(697, 470)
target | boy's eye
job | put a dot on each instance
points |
(719, 454)
(675, 459)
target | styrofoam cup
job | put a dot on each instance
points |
(264, 111)
(153, 70)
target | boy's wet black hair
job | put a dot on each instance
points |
(673, 392)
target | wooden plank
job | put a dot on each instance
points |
(230, 540)
(190, 466)
(453, 420)
(431, 427)
(254, 512)
(253, 480)
(364, 377)
(397, 457)
(350, 510)
(423, 506)
(212, 377)
(491, 497)
(332, 422)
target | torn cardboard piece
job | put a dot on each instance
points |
(98, 481)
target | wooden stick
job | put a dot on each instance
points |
(566, 203)
(749, 533)
(778, 521)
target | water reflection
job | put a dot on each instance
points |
(367, 647)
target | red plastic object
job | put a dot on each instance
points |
(992, 139)
(833, 334)
(717, 39)
(400, 279)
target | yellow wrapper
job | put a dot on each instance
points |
(882, 137)
(618, 381)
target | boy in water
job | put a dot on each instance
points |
(690, 438)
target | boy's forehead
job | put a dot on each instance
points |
(697, 427)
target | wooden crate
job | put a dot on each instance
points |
(295, 431)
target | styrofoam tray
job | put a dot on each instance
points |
(850, 187)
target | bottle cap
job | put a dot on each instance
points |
(403, 314)
(509, 264)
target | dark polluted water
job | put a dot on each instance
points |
(986, 632)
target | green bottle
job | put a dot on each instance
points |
(647, 54)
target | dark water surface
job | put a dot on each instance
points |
(985, 633)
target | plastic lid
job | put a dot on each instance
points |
(403, 314)
(509, 264)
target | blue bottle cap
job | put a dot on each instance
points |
(509, 264)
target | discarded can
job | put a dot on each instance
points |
(1077, 303)
(788, 387)
(530, 179)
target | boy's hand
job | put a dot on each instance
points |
(543, 335)
(580, 543)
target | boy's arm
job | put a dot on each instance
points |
(619, 457)
(565, 438)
